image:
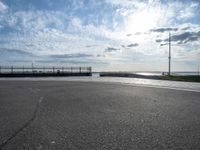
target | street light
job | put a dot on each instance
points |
(169, 57)
(169, 73)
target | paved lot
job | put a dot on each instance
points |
(180, 85)
(72, 115)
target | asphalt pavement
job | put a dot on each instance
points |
(62, 115)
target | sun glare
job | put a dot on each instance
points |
(142, 21)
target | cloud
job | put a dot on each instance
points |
(188, 12)
(3, 7)
(88, 46)
(149, 14)
(13, 52)
(76, 58)
(158, 40)
(61, 61)
(164, 29)
(30, 21)
(20, 56)
(185, 37)
(77, 55)
(111, 49)
(186, 33)
(185, 28)
(76, 31)
(132, 45)
(100, 55)
(15, 55)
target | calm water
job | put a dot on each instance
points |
(173, 73)
(156, 73)
(186, 73)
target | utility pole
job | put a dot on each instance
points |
(169, 73)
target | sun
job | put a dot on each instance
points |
(142, 21)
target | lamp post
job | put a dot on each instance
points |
(169, 72)
(169, 57)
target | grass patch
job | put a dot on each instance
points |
(189, 78)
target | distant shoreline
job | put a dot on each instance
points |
(186, 78)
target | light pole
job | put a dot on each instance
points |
(169, 57)
(169, 72)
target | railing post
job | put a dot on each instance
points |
(90, 69)
(32, 68)
(53, 70)
(23, 69)
(71, 69)
(0, 69)
(62, 69)
(79, 69)
(11, 69)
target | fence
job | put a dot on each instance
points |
(11, 70)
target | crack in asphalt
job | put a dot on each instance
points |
(24, 126)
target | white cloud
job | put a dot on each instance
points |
(186, 11)
(155, 11)
(3, 7)
(54, 32)
(33, 21)
(126, 3)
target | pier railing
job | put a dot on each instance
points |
(14, 70)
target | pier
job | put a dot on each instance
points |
(13, 71)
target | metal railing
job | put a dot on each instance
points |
(38, 70)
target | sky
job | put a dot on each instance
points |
(109, 35)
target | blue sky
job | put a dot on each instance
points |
(107, 34)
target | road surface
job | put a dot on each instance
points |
(180, 85)
(64, 115)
